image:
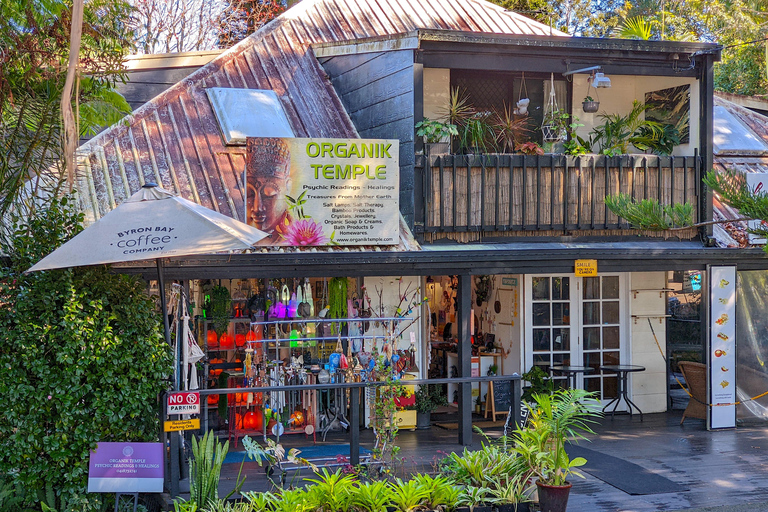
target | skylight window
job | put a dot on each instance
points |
(248, 113)
(731, 136)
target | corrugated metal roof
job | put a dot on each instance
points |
(174, 140)
(738, 154)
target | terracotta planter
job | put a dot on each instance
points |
(553, 498)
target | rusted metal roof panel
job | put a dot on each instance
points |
(174, 139)
(734, 232)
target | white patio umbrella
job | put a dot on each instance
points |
(152, 224)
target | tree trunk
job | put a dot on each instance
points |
(69, 123)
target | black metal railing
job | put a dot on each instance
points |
(353, 405)
(506, 193)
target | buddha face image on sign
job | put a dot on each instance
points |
(268, 181)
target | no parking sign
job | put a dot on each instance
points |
(187, 402)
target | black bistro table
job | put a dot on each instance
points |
(570, 371)
(622, 371)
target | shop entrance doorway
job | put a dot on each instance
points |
(578, 321)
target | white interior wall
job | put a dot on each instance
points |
(508, 323)
(623, 91)
(648, 388)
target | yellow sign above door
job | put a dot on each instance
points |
(585, 267)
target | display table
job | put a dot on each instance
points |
(571, 372)
(622, 371)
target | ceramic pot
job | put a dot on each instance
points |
(590, 106)
(423, 420)
(553, 498)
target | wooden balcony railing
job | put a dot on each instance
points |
(550, 194)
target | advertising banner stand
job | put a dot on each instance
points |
(722, 347)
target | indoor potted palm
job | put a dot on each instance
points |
(552, 420)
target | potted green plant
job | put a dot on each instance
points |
(436, 135)
(589, 105)
(478, 405)
(552, 420)
(554, 126)
(428, 399)
(539, 382)
(474, 499)
(477, 134)
(408, 496)
(530, 148)
(372, 496)
(511, 129)
(441, 494)
(512, 495)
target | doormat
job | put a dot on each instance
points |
(626, 476)
(318, 451)
(482, 424)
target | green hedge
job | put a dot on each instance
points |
(82, 359)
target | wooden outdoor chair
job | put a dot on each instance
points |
(696, 377)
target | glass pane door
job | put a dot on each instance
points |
(551, 321)
(601, 331)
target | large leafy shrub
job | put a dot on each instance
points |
(82, 359)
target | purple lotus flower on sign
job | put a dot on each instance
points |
(304, 232)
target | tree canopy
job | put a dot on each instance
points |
(741, 26)
(34, 50)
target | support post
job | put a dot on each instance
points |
(517, 398)
(354, 426)
(465, 359)
(175, 476)
(706, 123)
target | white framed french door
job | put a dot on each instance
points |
(577, 321)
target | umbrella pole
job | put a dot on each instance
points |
(163, 303)
(174, 437)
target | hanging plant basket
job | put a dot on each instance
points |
(590, 107)
(552, 133)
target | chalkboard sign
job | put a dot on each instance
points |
(502, 396)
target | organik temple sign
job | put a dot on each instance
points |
(314, 192)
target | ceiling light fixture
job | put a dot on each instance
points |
(597, 79)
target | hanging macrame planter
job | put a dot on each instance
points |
(521, 107)
(552, 126)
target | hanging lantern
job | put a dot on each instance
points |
(226, 342)
(250, 421)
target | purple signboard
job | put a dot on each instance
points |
(126, 467)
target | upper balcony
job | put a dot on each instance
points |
(468, 197)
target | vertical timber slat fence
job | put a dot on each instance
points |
(549, 192)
